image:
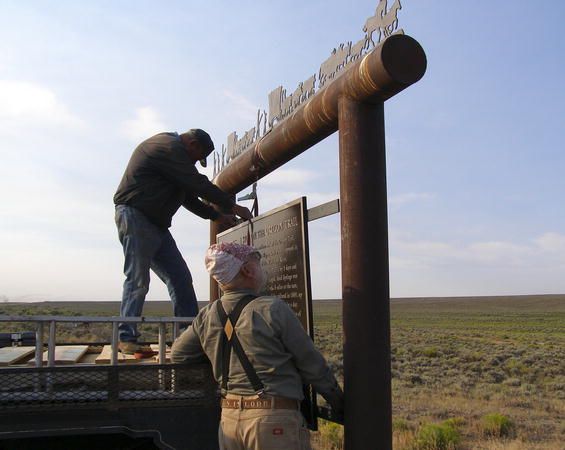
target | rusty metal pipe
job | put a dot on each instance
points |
(365, 275)
(390, 68)
(215, 229)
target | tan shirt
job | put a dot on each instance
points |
(279, 349)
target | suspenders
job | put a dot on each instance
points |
(230, 340)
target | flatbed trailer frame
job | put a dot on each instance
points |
(107, 405)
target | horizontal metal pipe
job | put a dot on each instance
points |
(96, 319)
(391, 67)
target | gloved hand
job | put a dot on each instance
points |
(335, 399)
(242, 212)
(227, 220)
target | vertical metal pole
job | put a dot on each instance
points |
(162, 343)
(114, 343)
(38, 355)
(365, 276)
(39, 345)
(215, 229)
(51, 344)
(214, 289)
(162, 353)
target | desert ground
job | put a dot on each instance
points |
(468, 372)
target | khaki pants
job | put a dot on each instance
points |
(263, 429)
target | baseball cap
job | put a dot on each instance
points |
(205, 140)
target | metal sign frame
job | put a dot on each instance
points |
(352, 103)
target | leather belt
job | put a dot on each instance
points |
(260, 403)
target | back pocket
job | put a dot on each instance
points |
(279, 433)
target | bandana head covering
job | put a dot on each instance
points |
(224, 260)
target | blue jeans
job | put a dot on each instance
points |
(146, 246)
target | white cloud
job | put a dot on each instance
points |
(269, 199)
(297, 178)
(488, 254)
(241, 107)
(551, 242)
(58, 271)
(504, 253)
(24, 104)
(409, 197)
(43, 199)
(428, 249)
(285, 185)
(146, 122)
(437, 268)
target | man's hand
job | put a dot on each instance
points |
(242, 212)
(337, 415)
(335, 398)
(226, 220)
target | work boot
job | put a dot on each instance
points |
(129, 348)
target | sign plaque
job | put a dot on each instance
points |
(281, 235)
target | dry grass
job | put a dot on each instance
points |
(458, 358)
(517, 445)
(470, 357)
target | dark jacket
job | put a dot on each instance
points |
(160, 177)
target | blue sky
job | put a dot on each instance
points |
(475, 150)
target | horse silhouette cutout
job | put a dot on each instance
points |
(375, 23)
(390, 19)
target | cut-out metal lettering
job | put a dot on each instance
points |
(275, 105)
(381, 25)
(261, 124)
(308, 88)
(232, 141)
(297, 95)
(326, 69)
(286, 104)
(358, 49)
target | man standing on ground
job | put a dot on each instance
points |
(260, 355)
(160, 178)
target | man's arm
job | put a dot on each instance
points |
(205, 211)
(196, 184)
(187, 347)
(201, 209)
(309, 361)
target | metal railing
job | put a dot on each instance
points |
(52, 321)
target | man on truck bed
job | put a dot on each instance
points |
(260, 355)
(160, 178)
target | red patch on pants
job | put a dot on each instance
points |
(278, 431)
